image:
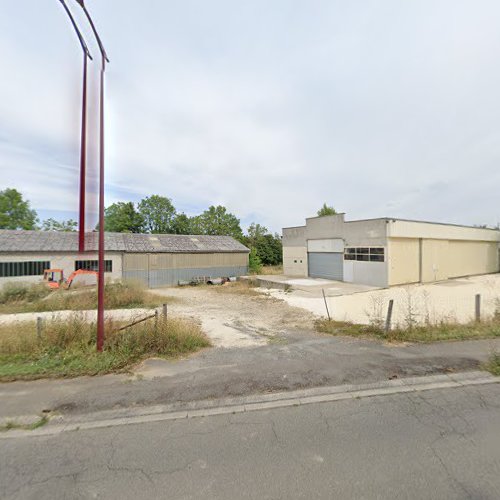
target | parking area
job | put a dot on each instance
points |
(311, 287)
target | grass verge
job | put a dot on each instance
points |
(68, 348)
(11, 425)
(20, 298)
(493, 365)
(429, 333)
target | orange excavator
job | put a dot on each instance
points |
(54, 278)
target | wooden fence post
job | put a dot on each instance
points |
(388, 319)
(165, 310)
(478, 307)
(326, 305)
(39, 328)
(156, 320)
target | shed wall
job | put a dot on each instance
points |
(66, 262)
(162, 269)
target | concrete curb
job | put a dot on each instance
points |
(226, 406)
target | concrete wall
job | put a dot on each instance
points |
(294, 251)
(403, 259)
(332, 233)
(472, 257)
(295, 261)
(429, 230)
(366, 273)
(413, 260)
(66, 262)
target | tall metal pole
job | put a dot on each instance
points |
(83, 140)
(100, 277)
(83, 160)
(101, 249)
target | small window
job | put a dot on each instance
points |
(93, 265)
(364, 254)
(15, 269)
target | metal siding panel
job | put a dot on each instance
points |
(140, 276)
(135, 262)
(165, 277)
(326, 265)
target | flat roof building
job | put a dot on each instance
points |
(153, 259)
(386, 251)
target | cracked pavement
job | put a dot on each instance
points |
(436, 444)
(304, 361)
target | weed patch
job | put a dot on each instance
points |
(19, 298)
(68, 348)
(428, 333)
(493, 366)
(11, 425)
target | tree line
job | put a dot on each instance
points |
(153, 214)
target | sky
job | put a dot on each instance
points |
(270, 108)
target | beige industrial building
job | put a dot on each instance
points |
(385, 252)
(153, 259)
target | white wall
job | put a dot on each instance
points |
(326, 246)
(366, 273)
(66, 262)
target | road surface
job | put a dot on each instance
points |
(437, 444)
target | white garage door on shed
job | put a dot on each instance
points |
(328, 265)
(326, 258)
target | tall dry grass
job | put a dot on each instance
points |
(68, 348)
(16, 298)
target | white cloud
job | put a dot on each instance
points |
(270, 109)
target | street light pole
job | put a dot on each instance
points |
(83, 139)
(101, 243)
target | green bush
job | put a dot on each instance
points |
(254, 262)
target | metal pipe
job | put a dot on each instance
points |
(83, 161)
(83, 140)
(100, 277)
(101, 249)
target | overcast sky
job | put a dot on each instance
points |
(379, 108)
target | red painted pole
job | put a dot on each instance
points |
(100, 278)
(83, 159)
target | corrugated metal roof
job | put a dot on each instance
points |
(53, 241)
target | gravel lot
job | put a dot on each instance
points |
(237, 319)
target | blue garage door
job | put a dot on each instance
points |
(326, 265)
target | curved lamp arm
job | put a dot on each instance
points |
(77, 31)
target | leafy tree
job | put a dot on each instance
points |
(270, 250)
(217, 221)
(182, 224)
(122, 217)
(55, 225)
(254, 262)
(266, 245)
(326, 210)
(158, 214)
(15, 213)
(255, 232)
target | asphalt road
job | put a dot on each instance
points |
(442, 444)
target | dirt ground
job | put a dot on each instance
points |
(243, 318)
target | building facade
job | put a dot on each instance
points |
(385, 252)
(153, 259)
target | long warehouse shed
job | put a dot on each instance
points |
(153, 259)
